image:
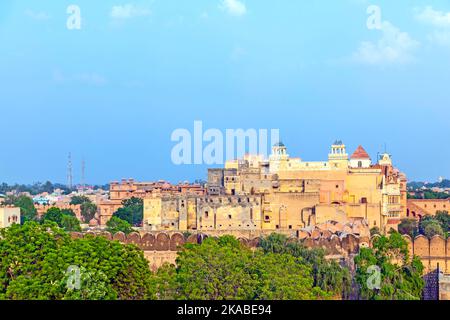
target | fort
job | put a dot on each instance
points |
(283, 193)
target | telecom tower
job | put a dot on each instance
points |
(69, 172)
(83, 168)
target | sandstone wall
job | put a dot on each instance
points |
(160, 247)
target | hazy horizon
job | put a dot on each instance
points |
(113, 92)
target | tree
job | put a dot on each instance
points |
(27, 210)
(328, 275)
(408, 226)
(116, 224)
(132, 211)
(424, 222)
(37, 261)
(53, 214)
(399, 276)
(215, 270)
(63, 218)
(68, 212)
(444, 219)
(76, 200)
(70, 223)
(223, 269)
(432, 229)
(88, 211)
(285, 277)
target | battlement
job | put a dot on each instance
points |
(432, 252)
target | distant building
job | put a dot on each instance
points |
(418, 208)
(9, 216)
(129, 188)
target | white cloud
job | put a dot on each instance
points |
(129, 11)
(37, 15)
(436, 18)
(394, 47)
(234, 7)
(441, 38)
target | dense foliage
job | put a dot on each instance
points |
(399, 277)
(223, 269)
(428, 226)
(39, 261)
(327, 274)
(65, 219)
(88, 211)
(116, 224)
(75, 200)
(132, 211)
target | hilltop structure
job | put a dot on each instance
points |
(285, 193)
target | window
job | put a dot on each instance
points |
(229, 216)
(267, 218)
(359, 164)
(206, 214)
(290, 226)
(363, 200)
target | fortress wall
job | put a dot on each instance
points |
(160, 247)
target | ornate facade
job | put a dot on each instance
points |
(284, 193)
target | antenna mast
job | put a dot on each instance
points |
(83, 169)
(69, 172)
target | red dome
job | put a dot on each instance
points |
(360, 153)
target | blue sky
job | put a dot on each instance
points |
(114, 91)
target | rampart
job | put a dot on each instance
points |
(160, 247)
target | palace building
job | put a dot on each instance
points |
(285, 193)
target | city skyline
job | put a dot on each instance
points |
(113, 92)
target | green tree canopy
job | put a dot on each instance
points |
(444, 219)
(88, 211)
(70, 223)
(53, 214)
(223, 269)
(399, 277)
(132, 211)
(327, 274)
(432, 229)
(36, 260)
(408, 226)
(63, 218)
(80, 200)
(116, 224)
